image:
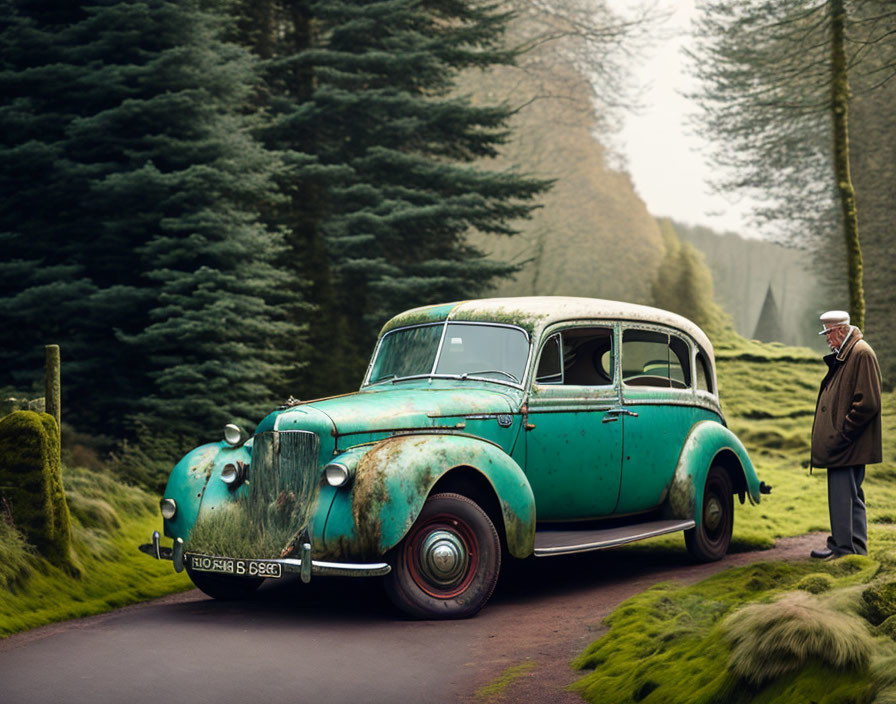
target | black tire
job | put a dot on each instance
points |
(448, 563)
(224, 587)
(710, 539)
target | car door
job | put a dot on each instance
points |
(574, 444)
(659, 412)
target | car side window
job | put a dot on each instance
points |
(588, 356)
(704, 382)
(550, 367)
(577, 357)
(652, 358)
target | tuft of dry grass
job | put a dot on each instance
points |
(769, 640)
(884, 673)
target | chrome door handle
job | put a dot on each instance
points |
(621, 412)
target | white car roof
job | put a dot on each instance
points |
(535, 313)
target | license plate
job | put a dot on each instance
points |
(236, 566)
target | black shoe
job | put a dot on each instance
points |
(822, 554)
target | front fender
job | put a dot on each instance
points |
(188, 480)
(709, 443)
(394, 478)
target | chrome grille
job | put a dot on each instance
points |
(283, 476)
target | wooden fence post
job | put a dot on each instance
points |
(53, 387)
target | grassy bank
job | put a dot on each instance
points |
(675, 644)
(109, 520)
(798, 632)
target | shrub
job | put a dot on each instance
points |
(31, 477)
(769, 640)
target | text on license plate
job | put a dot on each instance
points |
(235, 566)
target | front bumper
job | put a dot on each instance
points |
(305, 566)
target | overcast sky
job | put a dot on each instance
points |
(663, 157)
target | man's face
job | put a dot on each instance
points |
(835, 335)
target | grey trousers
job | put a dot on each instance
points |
(846, 504)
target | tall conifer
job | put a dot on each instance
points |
(383, 185)
(151, 184)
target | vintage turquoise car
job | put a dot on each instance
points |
(484, 430)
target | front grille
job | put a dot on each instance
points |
(283, 476)
(271, 515)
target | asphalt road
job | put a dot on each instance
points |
(339, 640)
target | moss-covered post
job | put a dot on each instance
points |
(53, 387)
(31, 474)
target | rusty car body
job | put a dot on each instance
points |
(483, 430)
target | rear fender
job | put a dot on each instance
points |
(393, 479)
(707, 444)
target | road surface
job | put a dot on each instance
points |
(340, 641)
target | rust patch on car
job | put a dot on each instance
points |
(519, 532)
(370, 497)
(205, 463)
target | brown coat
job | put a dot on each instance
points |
(846, 430)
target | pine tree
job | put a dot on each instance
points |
(384, 184)
(183, 321)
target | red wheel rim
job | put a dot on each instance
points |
(442, 556)
(715, 528)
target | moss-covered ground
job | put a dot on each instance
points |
(673, 644)
(109, 520)
(496, 687)
(677, 643)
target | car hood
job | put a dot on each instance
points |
(395, 409)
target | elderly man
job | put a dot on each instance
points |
(846, 433)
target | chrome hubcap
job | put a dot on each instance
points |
(444, 557)
(712, 513)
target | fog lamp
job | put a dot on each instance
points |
(337, 474)
(168, 508)
(233, 436)
(230, 473)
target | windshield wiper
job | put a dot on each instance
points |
(412, 376)
(491, 371)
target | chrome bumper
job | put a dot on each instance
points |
(305, 566)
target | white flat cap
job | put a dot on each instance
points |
(834, 317)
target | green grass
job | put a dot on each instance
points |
(769, 632)
(109, 520)
(683, 644)
(495, 688)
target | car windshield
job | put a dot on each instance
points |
(458, 350)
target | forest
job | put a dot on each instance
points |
(211, 206)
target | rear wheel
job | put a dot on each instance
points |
(710, 539)
(448, 563)
(224, 587)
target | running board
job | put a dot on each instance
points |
(565, 542)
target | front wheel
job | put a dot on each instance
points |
(224, 587)
(710, 539)
(448, 563)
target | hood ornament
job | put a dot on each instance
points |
(290, 402)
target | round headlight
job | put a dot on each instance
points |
(230, 473)
(336, 474)
(168, 508)
(232, 434)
